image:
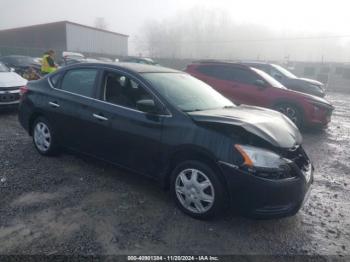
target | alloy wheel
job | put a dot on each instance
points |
(290, 112)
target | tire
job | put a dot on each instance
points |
(202, 196)
(44, 137)
(292, 112)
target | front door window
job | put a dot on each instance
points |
(123, 91)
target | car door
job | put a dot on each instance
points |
(248, 87)
(237, 84)
(72, 92)
(117, 130)
(220, 78)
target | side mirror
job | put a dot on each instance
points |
(260, 83)
(147, 105)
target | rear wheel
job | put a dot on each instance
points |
(292, 112)
(44, 137)
(197, 190)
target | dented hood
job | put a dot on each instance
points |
(269, 125)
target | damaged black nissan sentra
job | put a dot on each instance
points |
(175, 129)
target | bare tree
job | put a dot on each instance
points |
(209, 33)
(100, 23)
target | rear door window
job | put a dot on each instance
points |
(80, 81)
(208, 70)
(217, 71)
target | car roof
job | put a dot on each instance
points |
(256, 63)
(220, 62)
(134, 67)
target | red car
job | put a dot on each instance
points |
(247, 85)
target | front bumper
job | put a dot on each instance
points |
(266, 198)
(9, 98)
(320, 116)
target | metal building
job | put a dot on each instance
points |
(62, 36)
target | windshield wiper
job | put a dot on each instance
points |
(192, 110)
(227, 107)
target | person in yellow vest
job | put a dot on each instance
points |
(48, 63)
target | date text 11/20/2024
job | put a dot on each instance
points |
(172, 258)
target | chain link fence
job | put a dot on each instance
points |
(336, 76)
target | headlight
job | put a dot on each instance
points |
(321, 105)
(260, 158)
(316, 108)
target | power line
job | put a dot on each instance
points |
(247, 40)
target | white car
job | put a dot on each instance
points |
(10, 84)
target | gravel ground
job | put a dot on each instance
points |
(74, 205)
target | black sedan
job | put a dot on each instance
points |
(176, 130)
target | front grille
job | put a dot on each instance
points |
(7, 98)
(298, 156)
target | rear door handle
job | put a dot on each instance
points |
(54, 104)
(102, 118)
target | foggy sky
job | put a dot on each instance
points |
(129, 17)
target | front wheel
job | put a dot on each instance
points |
(292, 112)
(197, 190)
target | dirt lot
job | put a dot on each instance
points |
(70, 204)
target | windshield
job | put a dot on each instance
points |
(4, 68)
(269, 79)
(284, 71)
(186, 92)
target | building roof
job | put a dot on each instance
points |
(64, 22)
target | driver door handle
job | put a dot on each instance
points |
(99, 117)
(54, 104)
